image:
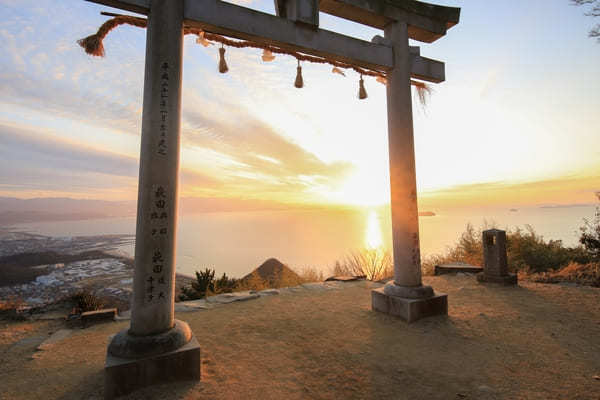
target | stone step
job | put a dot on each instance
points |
(455, 268)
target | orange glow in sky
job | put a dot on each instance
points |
(516, 121)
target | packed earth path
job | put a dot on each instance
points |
(322, 341)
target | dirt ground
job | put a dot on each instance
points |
(535, 341)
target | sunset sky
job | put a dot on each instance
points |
(516, 122)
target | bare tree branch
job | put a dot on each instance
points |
(593, 12)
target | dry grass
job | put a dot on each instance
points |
(311, 274)
(374, 264)
(12, 308)
(583, 274)
(10, 304)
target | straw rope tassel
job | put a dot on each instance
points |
(222, 64)
(267, 55)
(93, 43)
(299, 83)
(362, 93)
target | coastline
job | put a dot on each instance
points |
(41, 271)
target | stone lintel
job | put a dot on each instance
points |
(426, 22)
(123, 376)
(136, 6)
(409, 310)
(228, 19)
(505, 280)
(243, 23)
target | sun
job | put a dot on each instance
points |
(363, 188)
(373, 237)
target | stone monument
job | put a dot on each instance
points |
(495, 266)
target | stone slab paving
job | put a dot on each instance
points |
(56, 337)
(228, 298)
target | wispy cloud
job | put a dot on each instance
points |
(575, 189)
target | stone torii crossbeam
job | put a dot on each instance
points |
(158, 348)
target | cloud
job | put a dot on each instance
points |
(227, 150)
(576, 189)
(257, 157)
(44, 69)
(39, 149)
(34, 160)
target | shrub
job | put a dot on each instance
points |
(590, 234)
(526, 251)
(529, 251)
(374, 264)
(584, 274)
(311, 274)
(13, 308)
(86, 301)
(468, 249)
(206, 285)
(11, 303)
(225, 284)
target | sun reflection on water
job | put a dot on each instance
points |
(373, 237)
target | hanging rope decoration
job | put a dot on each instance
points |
(93, 43)
(423, 92)
(222, 64)
(201, 40)
(93, 46)
(267, 55)
(338, 71)
(299, 82)
(362, 93)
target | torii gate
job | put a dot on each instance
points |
(157, 348)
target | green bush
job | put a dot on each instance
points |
(206, 285)
(526, 251)
(86, 301)
(590, 235)
(468, 249)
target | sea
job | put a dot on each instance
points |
(237, 242)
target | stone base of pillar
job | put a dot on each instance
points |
(507, 280)
(123, 376)
(409, 310)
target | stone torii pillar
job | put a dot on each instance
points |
(156, 347)
(405, 296)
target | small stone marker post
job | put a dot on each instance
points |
(156, 348)
(495, 266)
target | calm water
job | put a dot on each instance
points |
(237, 242)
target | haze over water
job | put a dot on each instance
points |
(238, 242)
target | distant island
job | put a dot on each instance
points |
(426, 214)
(566, 205)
